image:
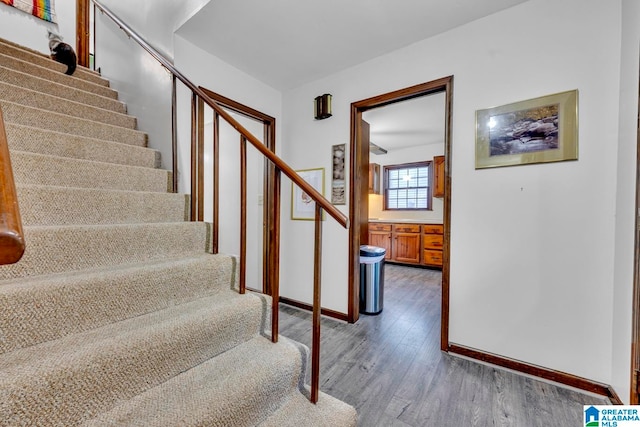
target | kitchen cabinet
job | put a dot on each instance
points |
(415, 244)
(432, 241)
(406, 243)
(374, 179)
(380, 236)
(438, 176)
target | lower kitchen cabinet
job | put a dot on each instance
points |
(413, 244)
(380, 236)
(406, 243)
(432, 241)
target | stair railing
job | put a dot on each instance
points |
(11, 235)
(199, 97)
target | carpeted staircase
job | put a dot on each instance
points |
(117, 315)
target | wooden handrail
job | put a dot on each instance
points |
(11, 234)
(199, 96)
(341, 218)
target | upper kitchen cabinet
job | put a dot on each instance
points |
(438, 176)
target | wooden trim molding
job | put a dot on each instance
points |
(445, 85)
(271, 205)
(538, 371)
(82, 32)
(308, 307)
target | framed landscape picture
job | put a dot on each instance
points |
(537, 130)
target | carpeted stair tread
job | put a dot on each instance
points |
(55, 76)
(28, 55)
(42, 141)
(237, 388)
(81, 375)
(31, 98)
(328, 411)
(46, 308)
(118, 314)
(18, 78)
(50, 205)
(41, 169)
(36, 117)
(58, 249)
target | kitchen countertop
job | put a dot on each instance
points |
(408, 221)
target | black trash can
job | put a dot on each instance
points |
(371, 279)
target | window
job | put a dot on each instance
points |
(408, 186)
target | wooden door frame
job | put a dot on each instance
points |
(82, 32)
(445, 85)
(270, 235)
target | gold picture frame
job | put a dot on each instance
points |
(302, 206)
(538, 130)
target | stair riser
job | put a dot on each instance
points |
(43, 310)
(238, 388)
(56, 89)
(102, 373)
(28, 116)
(9, 49)
(38, 169)
(55, 76)
(30, 98)
(42, 141)
(44, 205)
(52, 250)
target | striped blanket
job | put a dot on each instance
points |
(43, 9)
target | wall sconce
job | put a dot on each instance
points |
(322, 106)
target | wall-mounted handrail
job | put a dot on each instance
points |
(321, 203)
(11, 234)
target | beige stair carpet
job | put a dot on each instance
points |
(118, 314)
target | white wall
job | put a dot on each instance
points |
(626, 187)
(396, 157)
(29, 31)
(229, 176)
(142, 83)
(156, 20)
(213, 74)
(532, 247)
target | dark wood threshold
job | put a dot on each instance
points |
(308, 307)
(540, 372)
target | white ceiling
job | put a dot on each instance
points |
(416, 122)
(286, 43)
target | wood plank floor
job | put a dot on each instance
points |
(391, 369)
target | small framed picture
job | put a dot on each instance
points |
(338, 174)
(537, 130)
(303, 207)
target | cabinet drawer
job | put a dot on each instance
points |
(432, 241)
(379, 227)
(432, 258)
(432, 229)
(406, 228)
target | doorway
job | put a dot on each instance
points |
(359, 176)
(262, 207)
